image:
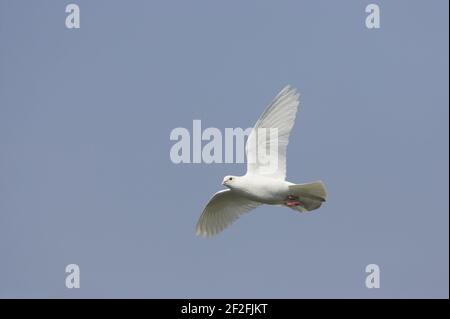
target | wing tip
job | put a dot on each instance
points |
(203, 233)
(290, 90)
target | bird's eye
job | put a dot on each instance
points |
(231, 178)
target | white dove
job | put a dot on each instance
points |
(260, 185)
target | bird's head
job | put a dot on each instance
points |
(229, 181)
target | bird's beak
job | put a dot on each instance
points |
(223, 183)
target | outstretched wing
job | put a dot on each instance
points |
(222, 209)
(280, 114)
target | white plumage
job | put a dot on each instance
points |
(263, 183)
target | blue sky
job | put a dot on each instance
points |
(85, 169)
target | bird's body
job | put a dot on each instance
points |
(262, 189)
(265, 181)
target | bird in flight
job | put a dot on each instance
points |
(265, 180)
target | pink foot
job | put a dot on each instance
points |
(293, 203)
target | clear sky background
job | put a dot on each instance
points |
(86, 176)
